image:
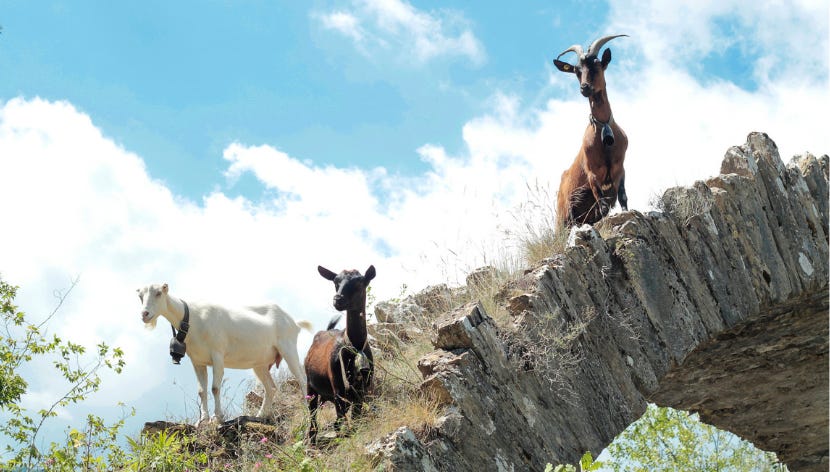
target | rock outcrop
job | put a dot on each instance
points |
(717, 304)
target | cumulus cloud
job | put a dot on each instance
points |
(776, 37)
(81, 205)
(396, 26)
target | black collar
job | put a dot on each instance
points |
(183, 326)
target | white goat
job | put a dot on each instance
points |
(254, 337)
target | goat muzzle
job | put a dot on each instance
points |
(339, 302)
(586, 90)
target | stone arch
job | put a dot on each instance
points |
(717, 304)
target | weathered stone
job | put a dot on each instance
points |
(435, 299)
(227, 439)
(482, 277)
(404, 311)
(391, 335)
(454, 330)
(759, 380)
(582, 235)
(520, 303)
(400, 451)
(717, 304)
(156, 427)
(436, 390)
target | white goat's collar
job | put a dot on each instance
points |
(177, 344)
(184, 326)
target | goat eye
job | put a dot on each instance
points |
(158, 294)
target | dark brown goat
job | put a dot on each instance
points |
(591, 186)
(339, 364)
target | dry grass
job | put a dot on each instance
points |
(534, 228)
(550, 348)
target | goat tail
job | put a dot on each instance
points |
(306, 325)
(333, 322)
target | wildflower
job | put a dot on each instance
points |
(257, 465)
(269, 456)
(263, 440)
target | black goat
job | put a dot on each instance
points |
(339, 364)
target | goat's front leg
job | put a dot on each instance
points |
(313, 404)
(621, 195)
(341, 407)
(218, 373)
(201, 376)
(599, 195)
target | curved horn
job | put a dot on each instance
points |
(575, 48)
(593, 50)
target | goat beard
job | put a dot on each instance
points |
(151, 325)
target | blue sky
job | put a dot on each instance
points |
(228, 148)
(177, 82)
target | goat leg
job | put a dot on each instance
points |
(621, 195)
(341, 406)
(599, 196)
(313, 404)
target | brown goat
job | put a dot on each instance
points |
(596, 179)
(339, 364)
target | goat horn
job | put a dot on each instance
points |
(593, 50)
(575, 48)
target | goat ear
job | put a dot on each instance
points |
(563, 66)
(327, 274)
(164, 288)
(606, 58)
(370, 274)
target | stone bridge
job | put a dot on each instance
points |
(718, 304)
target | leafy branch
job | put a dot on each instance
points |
(21, 343)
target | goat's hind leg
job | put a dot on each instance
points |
(263, 373)
(288, 350)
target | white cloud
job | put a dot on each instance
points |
(395, 26)
(78, 204)
(345, 23)
(780, 36)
